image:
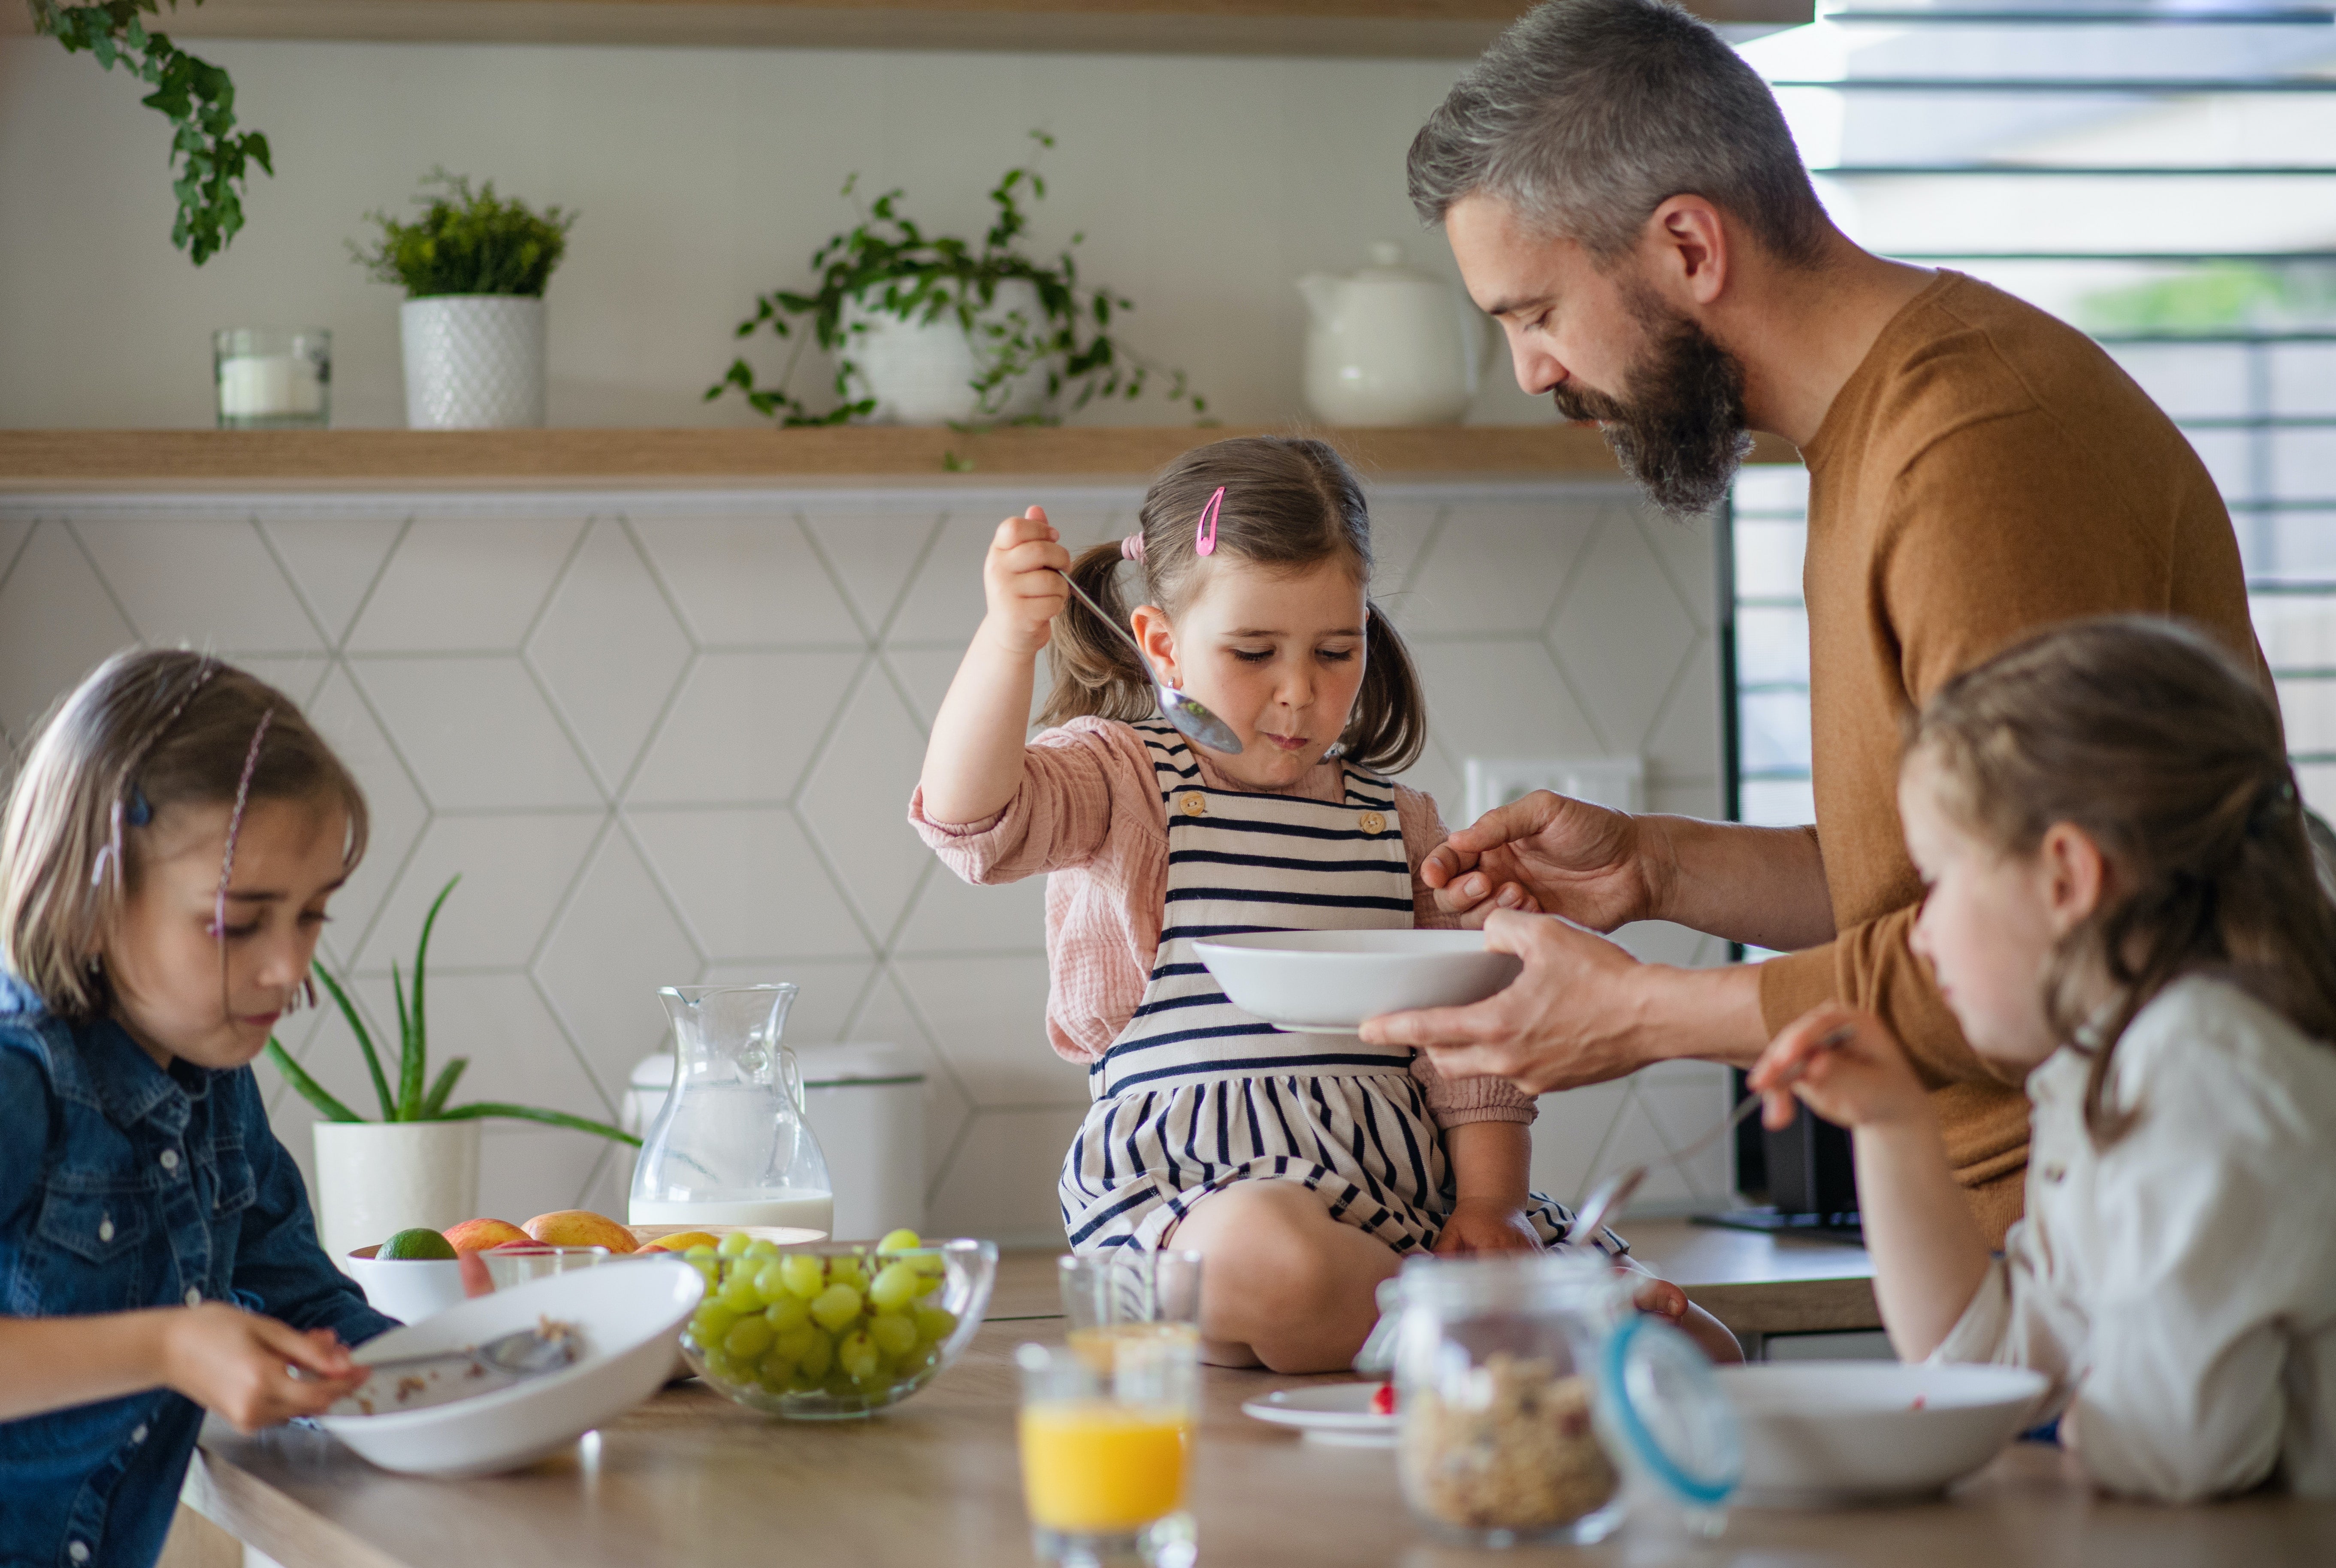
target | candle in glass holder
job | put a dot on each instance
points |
(272, 378)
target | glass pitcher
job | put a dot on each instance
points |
(732, 1145)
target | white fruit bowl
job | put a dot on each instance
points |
(406, 1289)
(627, 1318)
(1820, 1433)
(1328, 982)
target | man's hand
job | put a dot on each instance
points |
(237, 1363)
(1486, 1225)
(1546, 852)
(1568, 1020)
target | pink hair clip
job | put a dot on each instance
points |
(1204, 539)
(1132, 547)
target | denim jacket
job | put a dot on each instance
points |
(123, 1186)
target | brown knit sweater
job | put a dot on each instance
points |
(1987, 471)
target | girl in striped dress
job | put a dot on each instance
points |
(1303, 1166)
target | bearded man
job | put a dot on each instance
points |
(1622, 196)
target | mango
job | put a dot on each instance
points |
(681, 1241)
(580, 1228)
(479, 1235)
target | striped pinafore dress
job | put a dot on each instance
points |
(1196, 1094)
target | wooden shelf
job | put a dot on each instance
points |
(150, 460)
(1452, 29)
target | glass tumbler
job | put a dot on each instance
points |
(1106, 1450)
(273, 377)
(1124, 1293)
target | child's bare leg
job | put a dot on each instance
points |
(1284, 1284)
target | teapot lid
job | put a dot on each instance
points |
(1386, 265)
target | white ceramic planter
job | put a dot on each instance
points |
(472, 361)
(375, 1179)
(922, 372)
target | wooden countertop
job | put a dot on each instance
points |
(404, 460)
(691, 1478)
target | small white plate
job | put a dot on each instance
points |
(1338, 1414)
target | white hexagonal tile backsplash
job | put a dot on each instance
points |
(671, 739)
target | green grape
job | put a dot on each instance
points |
(839, 1383)
(787, 1312)
(928, 1283)
(748, 1338)
(723, 1370)
(735, 1244)
(760, 1248)
(935, 1323)
(847, 1271)
(795, 1343)
(817, 1356)
(893, 1288)
(895, 1333)
(835, 1306)
(802, 1274)
(772, 1371)
(770, 1284)
(710, 1323)
(738, 1292)
(902, 1241)
(711, 1272)
(859, 1357)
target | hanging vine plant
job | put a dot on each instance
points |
(211, 160)
(889, 267)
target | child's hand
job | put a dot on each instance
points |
(1860, 1081)
(1024, 596)
(1488, 901)
(1486, 1225)
(237, 1363)
(1658, 1298)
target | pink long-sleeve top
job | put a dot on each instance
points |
(1089, 815)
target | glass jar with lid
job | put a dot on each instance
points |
(1535, 1402)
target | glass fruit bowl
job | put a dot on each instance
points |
(832, 1332)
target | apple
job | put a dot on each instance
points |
(482, 1236)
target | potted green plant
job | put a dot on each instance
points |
(933, 329)
(475, 268)
(419, 1164)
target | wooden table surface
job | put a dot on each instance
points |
(691, 1478)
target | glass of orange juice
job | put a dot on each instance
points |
(1106, 1448)
(1125, 1292)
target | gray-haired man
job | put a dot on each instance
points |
(1624, 196)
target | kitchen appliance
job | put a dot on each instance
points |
(731, 1145)
(866, 1103)
(1389, 346)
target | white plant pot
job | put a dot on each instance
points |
(922, 372)
(472, 361)
(375, 1179)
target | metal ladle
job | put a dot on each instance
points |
(1187, 714)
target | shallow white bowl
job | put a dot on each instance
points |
(1328, 982)
(407, 1289)
(628, 1318)
(1818, 1433)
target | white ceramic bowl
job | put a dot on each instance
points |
(1328, 982)
(407, 1289)
(1818, 1433)
(628, 1318)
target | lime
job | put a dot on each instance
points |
(421, 1241)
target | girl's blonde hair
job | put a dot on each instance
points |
(145, 732)
(1288, 505)
(2171, 757)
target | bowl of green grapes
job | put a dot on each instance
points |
(829, 1331)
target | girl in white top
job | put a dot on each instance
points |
(2122, 903)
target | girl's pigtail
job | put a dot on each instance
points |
(1097, 673)
(1389, 729)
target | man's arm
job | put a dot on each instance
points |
(1603, 869)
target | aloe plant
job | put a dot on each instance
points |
(410, 1101)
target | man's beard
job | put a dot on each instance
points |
(1680, 427)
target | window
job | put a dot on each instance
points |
(2158, 174)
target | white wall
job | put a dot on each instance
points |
(1204, 185)
(671, 739)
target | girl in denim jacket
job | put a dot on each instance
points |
(165, 859)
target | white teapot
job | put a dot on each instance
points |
(1389, 346)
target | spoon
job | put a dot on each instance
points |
(521, 1353)
(1187, 714)
(1609, 1195)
